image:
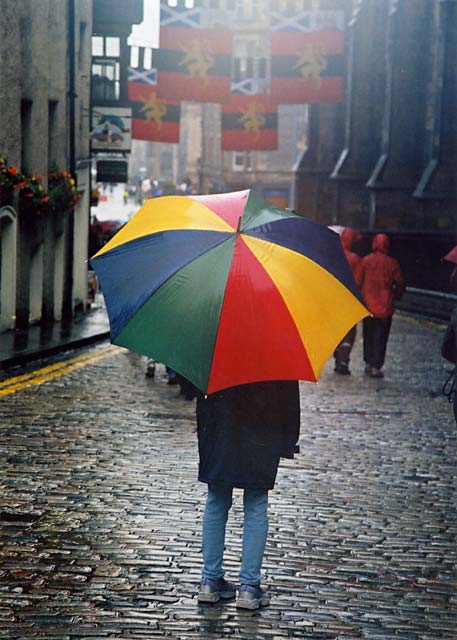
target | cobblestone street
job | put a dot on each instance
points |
(101, 512)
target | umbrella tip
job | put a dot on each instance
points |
(238, 229)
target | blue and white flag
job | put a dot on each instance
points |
(143, 76)
(180, 16)
(306, 21)
(247, 87)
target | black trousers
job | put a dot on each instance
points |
(375, 335)
(342, 353)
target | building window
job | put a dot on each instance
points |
(97, 46)
(242, 161)
(141, 58)
(112, 47)
(105, 80)
(147, 59)
(250, 62)
(238, 161)
(248, 9)
(109, 46)
(134, 57)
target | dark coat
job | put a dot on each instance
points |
(449, 345)
(244, 430)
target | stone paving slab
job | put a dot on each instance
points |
(100, 512)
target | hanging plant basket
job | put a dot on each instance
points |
(63, 196)
(10, 179)
(33, 199)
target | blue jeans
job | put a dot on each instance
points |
(255, 531)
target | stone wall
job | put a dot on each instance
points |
(34, 135)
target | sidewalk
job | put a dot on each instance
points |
(39, 342)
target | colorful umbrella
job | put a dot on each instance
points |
(228, 289)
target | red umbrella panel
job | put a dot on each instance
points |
(451, 256)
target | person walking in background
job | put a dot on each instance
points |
(382, 283)
(449, 344)
(242, 433)
(449, 351)
(342, 353)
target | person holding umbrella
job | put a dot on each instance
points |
(242, 433)
(254, 299)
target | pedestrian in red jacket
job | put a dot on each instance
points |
(342, 353)
(381, 284)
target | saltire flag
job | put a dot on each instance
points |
(249, 123)
(181, 16)
(140, 81)
(283, 19)
(307, 67)
(194, 64)
(248, 86)
(153, 119)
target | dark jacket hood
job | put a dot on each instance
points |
(381, 243)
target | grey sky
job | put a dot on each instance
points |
(146, 34)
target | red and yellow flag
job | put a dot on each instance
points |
(307, 67)
(249, 123)
(194, 64)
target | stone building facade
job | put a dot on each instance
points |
(45, 57)
(385, 159)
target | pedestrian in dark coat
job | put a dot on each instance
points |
(342, 353)
(449, 351)
(242, 433)
(381, 284)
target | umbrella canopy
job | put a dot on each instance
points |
(451, 256)
(228, 289)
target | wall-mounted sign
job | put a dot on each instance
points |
(112, 129)
(112, 171)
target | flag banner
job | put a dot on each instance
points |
(141, 80)
(307, 67)
(249, 123)
(194, 64)
(248, 86)
(305, 21)
(181, 16)
(154, 119)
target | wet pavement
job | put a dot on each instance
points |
(100, 511)
(20, 347)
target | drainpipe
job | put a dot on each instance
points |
(67, 304)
